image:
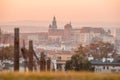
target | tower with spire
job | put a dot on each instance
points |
(54, 23)
(53, 26)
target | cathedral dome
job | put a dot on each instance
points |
(68, 26)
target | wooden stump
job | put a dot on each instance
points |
(30, 66)
(42, 62)
(16, 49)
(48, 64)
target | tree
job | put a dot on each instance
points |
(7, 53)
(80, 50)
(68, 65)
(78, 63)
(101, 49)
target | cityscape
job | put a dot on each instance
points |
(63, 43)
(60, 39)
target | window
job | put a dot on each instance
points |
(99, 70)
(113, 70)
(96, 69)
(107, 67)
(113, 66)
(103, 67)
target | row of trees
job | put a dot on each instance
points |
(97, 50)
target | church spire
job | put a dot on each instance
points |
(54, 18)
(54, 23)
(53, 26)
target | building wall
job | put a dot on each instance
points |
(59, 60)
(109, 69)
(35, 38)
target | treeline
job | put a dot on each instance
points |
(99, 50)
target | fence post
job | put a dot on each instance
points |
(30, 55)
(16, 49)
(48, 64)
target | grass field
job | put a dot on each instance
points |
(58, 76)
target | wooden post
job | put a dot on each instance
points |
(16, 49)
(42, 62)
(30, 55)
(48, 64)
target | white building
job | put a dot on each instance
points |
(116, 33)
(59, 60)
(88, 33)
(76, 36)
(106, 66)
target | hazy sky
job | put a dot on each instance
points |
(64, 10)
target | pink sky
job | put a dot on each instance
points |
(64, 10)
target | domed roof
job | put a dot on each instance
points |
(68, 26)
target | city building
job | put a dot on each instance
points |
(88, 33)
(106, 66)
(59, 60)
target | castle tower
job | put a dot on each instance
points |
(53, 26)
(54, 23)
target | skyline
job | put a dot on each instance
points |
(37, 26)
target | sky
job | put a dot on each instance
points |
(76, 11)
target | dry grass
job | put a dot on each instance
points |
(58, 76)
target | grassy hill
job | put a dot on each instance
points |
(58, 76)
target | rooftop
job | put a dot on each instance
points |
(100, 62)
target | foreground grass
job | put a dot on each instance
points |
(58, 76)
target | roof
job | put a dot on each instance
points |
(61, 61)
(99, 62)
(90, 29)
(68, 26)
(56, 33)
(43, 33)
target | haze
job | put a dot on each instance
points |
(76, 11)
